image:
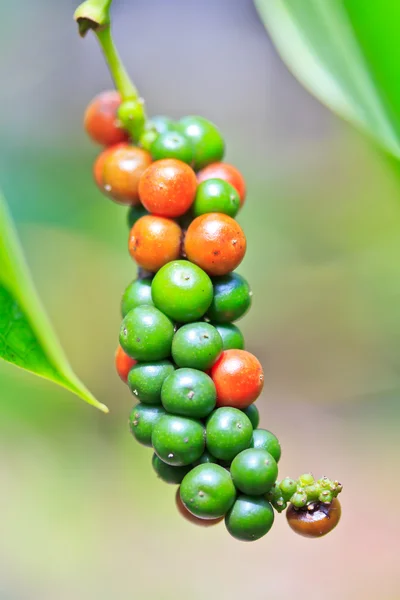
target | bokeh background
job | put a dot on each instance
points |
(82, 515)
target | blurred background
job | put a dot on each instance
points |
(82, 513)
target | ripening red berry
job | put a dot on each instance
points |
(216, 243)
(122, 169)
(168, 188)
(123, 364)
(154, 241)
(98, 164)
(226, 172)
(100, 120)
(238, 377)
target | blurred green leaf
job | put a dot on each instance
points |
(27, 339)
(347, 53)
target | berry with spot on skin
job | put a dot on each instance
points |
(172, 144)
(238, 378)
(142, 421)
(167, 188)
(253, 414)
(146, 379)
(191, 518)
(216, 196)
(168, 473)
(135, 212)
(122, 170)
(124, 363)
(196, 345)
(154, 242)
(314, 520)
(206, 139)
(100, 120)
(232, 337)
(231, 300)
(228, 432)
(287, 487)
(136, 294)
(182, 291)
(226, 172)
(254, 471)
(178, 441)
(250, 518)
(265, 440)
(216, 243)
(189, 393)
(208, 491)
(146, 334)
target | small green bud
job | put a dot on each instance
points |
(306, 479)
(299, 499)
(288, 487)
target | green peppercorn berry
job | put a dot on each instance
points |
(196, 345)
(216, 195)
(288, 487)
(189, 393)
(207, 141)
(142, 421)
(232, 298)
(306, 479)
(228, 432)
(145, 380)
(136, 294)
(178, 441)
(182, 291)
(250, 518)
(168, 473)
(254, 471)
(253, 414)
(173, 144)
(131, 116)
(232, 337)
(146, 334)
(299, 499)
(155, 127)
(205, 458)
(275, 497)
(266, 441)
(163, 123)
(135, 213)
(208, 491)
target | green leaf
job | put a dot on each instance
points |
(346, 53)
(27, 339)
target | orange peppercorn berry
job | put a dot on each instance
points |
(100, 120)
(122, 169)
(168, 188)
(191, 518)
(238, 377)
(98, 165)
(154, 241)
(226, 172)
(216, 243)
(123, 364)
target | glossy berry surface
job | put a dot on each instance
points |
(182, 291)
(189, 393)
(142, 421)
(206, 139)
(196, 345)
(178, 441)
(163, 123)
(146, 379)
(172, 144)
(131, 116)
(154, 242)
(123, 168)
(216, 195)
(226, 172)
(191, 518)
(98, 165)
(146, 334)
(136, 294)
(231, 299)
(216, 243)
(254, 471)
(250, 518)
(253, 414)
(100, 120)
(124, 363)
(265, 440)
(232, 337)
(316, 522)
(208, 491)
(168, 473)
(238, 377)
(167, 188)
(228, 432)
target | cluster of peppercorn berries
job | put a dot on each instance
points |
(180, 353)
